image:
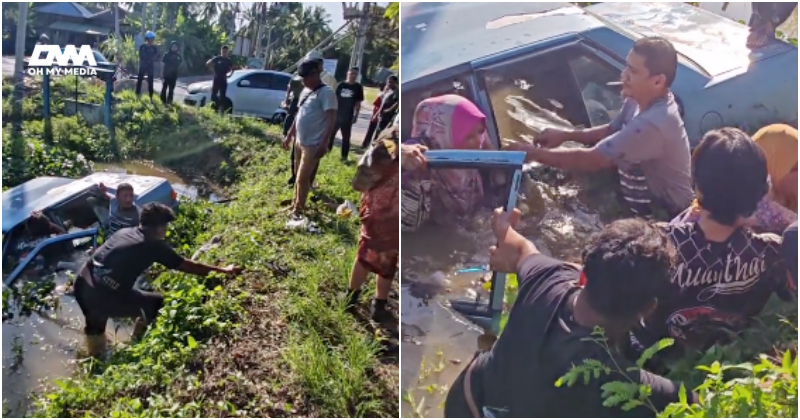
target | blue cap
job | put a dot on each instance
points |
(149, 35)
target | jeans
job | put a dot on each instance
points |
(145, 71)
(168, 89)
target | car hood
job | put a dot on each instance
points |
(715, 43)
(199, 86)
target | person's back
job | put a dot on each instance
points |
(548, 329)
(725, 273)
(126, 255)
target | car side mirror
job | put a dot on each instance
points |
(244, 83)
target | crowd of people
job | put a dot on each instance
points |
(697, 253)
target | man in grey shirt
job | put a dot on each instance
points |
(646, 142)
(313, 126)
(117, 212)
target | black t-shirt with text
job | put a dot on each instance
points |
(222, 66)
(348, 95)
(715, 286)
(541, 343)
(126, 255)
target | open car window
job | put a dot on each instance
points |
(563, 88)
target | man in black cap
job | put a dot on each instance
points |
(312, 128)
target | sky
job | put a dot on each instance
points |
(334, 9)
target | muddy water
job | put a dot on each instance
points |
(39, 349)
(438, 343)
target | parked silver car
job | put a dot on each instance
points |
(250, 92)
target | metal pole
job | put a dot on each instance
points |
(116, 23)
(48, 127)
(269, 47)
(144, 18)
(155, 16)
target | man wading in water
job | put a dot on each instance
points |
(105, 286)
(646, 142)
(552, 320)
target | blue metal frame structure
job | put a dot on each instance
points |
(485, 315)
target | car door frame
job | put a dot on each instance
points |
(275, 95)
(528, 52)
(247, 96)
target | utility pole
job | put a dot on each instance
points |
(116, 23)
(155, 16)
(362, 28)
(144, 19)
(19, 76)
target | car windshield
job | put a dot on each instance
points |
(563, 88)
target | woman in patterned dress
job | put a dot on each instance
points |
(378, 180)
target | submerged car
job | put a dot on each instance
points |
(250, 92)
(65, 202)
(530, 66)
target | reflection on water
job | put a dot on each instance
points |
(189, 188)
(40, 349)
(560, 212)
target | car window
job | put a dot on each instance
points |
(598, 83)
(458, 85)
(258, 81)
(279, 82)
(529, 94)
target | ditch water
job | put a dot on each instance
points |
(437, 343)
(40, 349)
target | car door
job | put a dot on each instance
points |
(249, 94)
(276, 92)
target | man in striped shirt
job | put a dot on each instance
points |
(646, 142)
(122, 210)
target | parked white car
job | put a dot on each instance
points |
(250, 92)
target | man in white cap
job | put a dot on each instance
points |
(327, 78)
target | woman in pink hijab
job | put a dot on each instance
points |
(443, 195)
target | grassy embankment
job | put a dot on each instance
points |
(274, 342)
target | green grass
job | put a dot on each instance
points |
(275, 342)
(370, 94)
(267, 344)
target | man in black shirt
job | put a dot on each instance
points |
(222, 66)
(349, 95)
(546, 332)
(172, 62)
(148, 53)
(390, 100)
(105, 286)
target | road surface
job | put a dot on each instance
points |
(359, 129)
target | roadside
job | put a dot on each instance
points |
(274, 342)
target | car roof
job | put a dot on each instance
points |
(45, 192)
(716, 43)
(245, 72)
(438, 36)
